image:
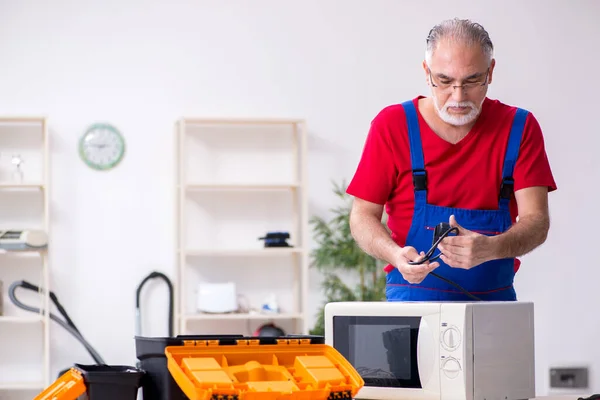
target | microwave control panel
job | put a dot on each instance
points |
(451, 344)
(450, 339)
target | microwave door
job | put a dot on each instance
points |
(383, 349)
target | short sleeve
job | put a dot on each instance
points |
(533, 167)
(375, 175)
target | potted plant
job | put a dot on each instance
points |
(339, 258)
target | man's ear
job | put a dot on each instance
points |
(426, 69)
(492, 65)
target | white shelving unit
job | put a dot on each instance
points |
(24, 204)
(237, 180)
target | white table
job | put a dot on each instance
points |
(562, 397)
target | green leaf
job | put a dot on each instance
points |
(337, 252)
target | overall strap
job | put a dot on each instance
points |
(416, 153)
(510, 158)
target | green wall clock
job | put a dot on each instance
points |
(102, 146)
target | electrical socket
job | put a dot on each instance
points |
(573, 378)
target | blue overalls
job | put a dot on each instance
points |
(490, 281)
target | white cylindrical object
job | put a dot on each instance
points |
(35, 238)
(217, 297)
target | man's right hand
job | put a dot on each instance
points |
(413, 273)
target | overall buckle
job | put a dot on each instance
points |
(419, 179)
(507, 188)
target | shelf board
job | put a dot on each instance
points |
(240, 121)
(269, 252)
(241, 316)
(22, 120)
(21, 320)
(21, 253)
(21, 386)
(196, 187)
(21, 186)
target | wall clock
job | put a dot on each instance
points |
(102, 146)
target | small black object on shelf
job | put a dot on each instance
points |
(269, 330)
(276, 239)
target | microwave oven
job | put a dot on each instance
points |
(437, 350)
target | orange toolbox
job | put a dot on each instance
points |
(243, 368)
(250, 369)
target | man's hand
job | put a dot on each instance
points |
(470, 249)
(466, 250)
(413, 273)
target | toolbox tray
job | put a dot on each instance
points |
(158, 384)
(247, 368)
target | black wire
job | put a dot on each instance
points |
(162, 276)
(63, 312)
(59, 307)
(429, 254)
(456, 285)
(67, 323)
(430, 257)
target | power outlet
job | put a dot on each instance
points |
(572, 378)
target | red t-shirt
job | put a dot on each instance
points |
(467, 174)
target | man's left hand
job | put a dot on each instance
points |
(466, 250)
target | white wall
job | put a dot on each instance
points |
(142, 64)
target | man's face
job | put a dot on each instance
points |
(458, 76)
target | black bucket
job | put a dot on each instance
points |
(114, 382)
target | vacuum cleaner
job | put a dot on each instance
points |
(67, 323)
(138, 313)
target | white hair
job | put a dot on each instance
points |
(461, 30)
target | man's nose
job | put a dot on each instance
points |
(458, 94)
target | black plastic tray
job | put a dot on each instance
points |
(114, 382)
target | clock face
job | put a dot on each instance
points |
(102, 146)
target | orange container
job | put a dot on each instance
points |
(69, 385)
(288, 369)
(96, 382)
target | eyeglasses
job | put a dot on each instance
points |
(470, 84)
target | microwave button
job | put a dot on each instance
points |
(451, 367)
(451, 339)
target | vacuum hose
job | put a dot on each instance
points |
(138, 313)
(68, 325)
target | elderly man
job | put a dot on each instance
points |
(457, 157)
